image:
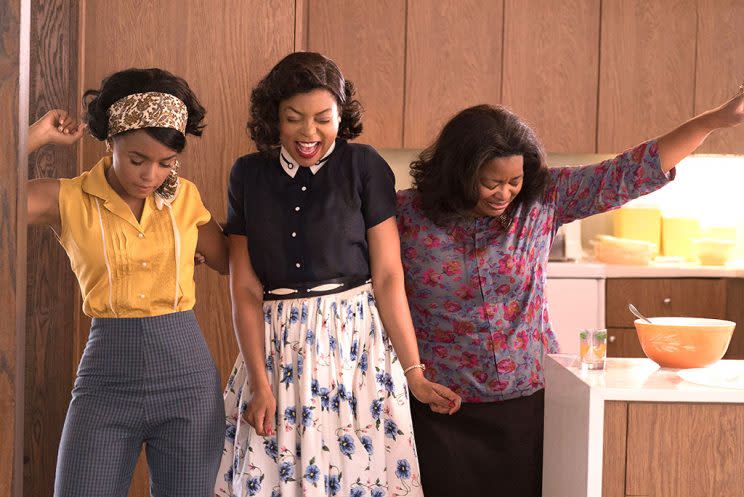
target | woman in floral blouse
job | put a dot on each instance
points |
(475, 234)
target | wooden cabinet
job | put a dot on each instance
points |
(672, 449)
(717, 298)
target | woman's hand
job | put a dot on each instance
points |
(56, 126)
(261, 411)
(730, 113)
(441, 399)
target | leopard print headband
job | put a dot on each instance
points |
(147, 110)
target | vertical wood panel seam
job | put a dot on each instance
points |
(599, 78)
(405, 75)
(695, 64)
(503, 50)
(24, 64)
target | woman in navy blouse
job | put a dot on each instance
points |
(320, 404)
(475, 232)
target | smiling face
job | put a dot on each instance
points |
(308, 125)
(141, 164)
(499, 183)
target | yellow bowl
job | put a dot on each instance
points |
(677, 342)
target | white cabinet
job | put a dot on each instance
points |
(574, 304)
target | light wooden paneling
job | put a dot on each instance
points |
(551, 67)
(720, 66)
(367, 41)
(664, 297)
(14, 53)
(685, 450)
(647, 70)
(52, 298)
(453, 61)
(222, 50)
(614, 446)
(735, 313)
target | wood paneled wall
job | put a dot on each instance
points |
(52, 297)
(13, 115)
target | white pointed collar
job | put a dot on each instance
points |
(290, 166)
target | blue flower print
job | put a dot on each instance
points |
(342, 394)
(332, 342)
(294, 315)
(229, 475)
(346, 445)
(269, 363)
(271, 448)
(315, 387)
(230, 432)
(324, 398)
(333, 485)
(286, 375)
(300, 365)
(367, 444)
(335, 403)
(286, 471)
(376, 409)
(403, 470)
(378, 492)
(267, 316)
(303, 315)
(357, 492)
(353, 405)
(253, 485)
(353, 353)
(363, 364)
(285, 335)
(290, 415)
(310, 337)
(276, 493)
(312, 473)
(391, 429)
(307, 416)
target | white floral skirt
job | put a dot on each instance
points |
(343, 424)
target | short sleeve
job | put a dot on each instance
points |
(191, 208)
(235, 201)
(378, 191)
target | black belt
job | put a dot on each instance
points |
(314, 289)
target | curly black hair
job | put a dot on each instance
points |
(446, 175)
(118, 85)
(300, 72)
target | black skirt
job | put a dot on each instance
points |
(486, 449)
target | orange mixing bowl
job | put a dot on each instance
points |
(673, 342)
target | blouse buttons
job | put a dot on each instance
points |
(141, 295)
(140, 235)
(304, 188)
(298, 265)
(144, 264)
(297, 208)
(294, 234)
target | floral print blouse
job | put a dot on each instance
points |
(477, 289)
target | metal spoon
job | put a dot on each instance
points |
(637, 313)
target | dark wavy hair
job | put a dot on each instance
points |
(300, 72)
(118, 85)
(446, 175)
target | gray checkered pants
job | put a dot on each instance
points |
(146, 381)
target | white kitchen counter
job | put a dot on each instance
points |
(574, 414)
(601, 270)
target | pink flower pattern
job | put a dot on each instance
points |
(477, 290)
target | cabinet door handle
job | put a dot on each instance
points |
(667, 301)
(611, 338)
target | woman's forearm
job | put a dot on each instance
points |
(249, 329)
(396, 317)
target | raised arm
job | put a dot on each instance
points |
(43, 194)
(683, 140)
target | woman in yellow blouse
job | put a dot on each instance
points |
(131, 227)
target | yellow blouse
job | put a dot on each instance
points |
(128, 268)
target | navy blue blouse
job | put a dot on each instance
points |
(313, 227)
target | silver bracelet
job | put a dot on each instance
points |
(422, 367)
